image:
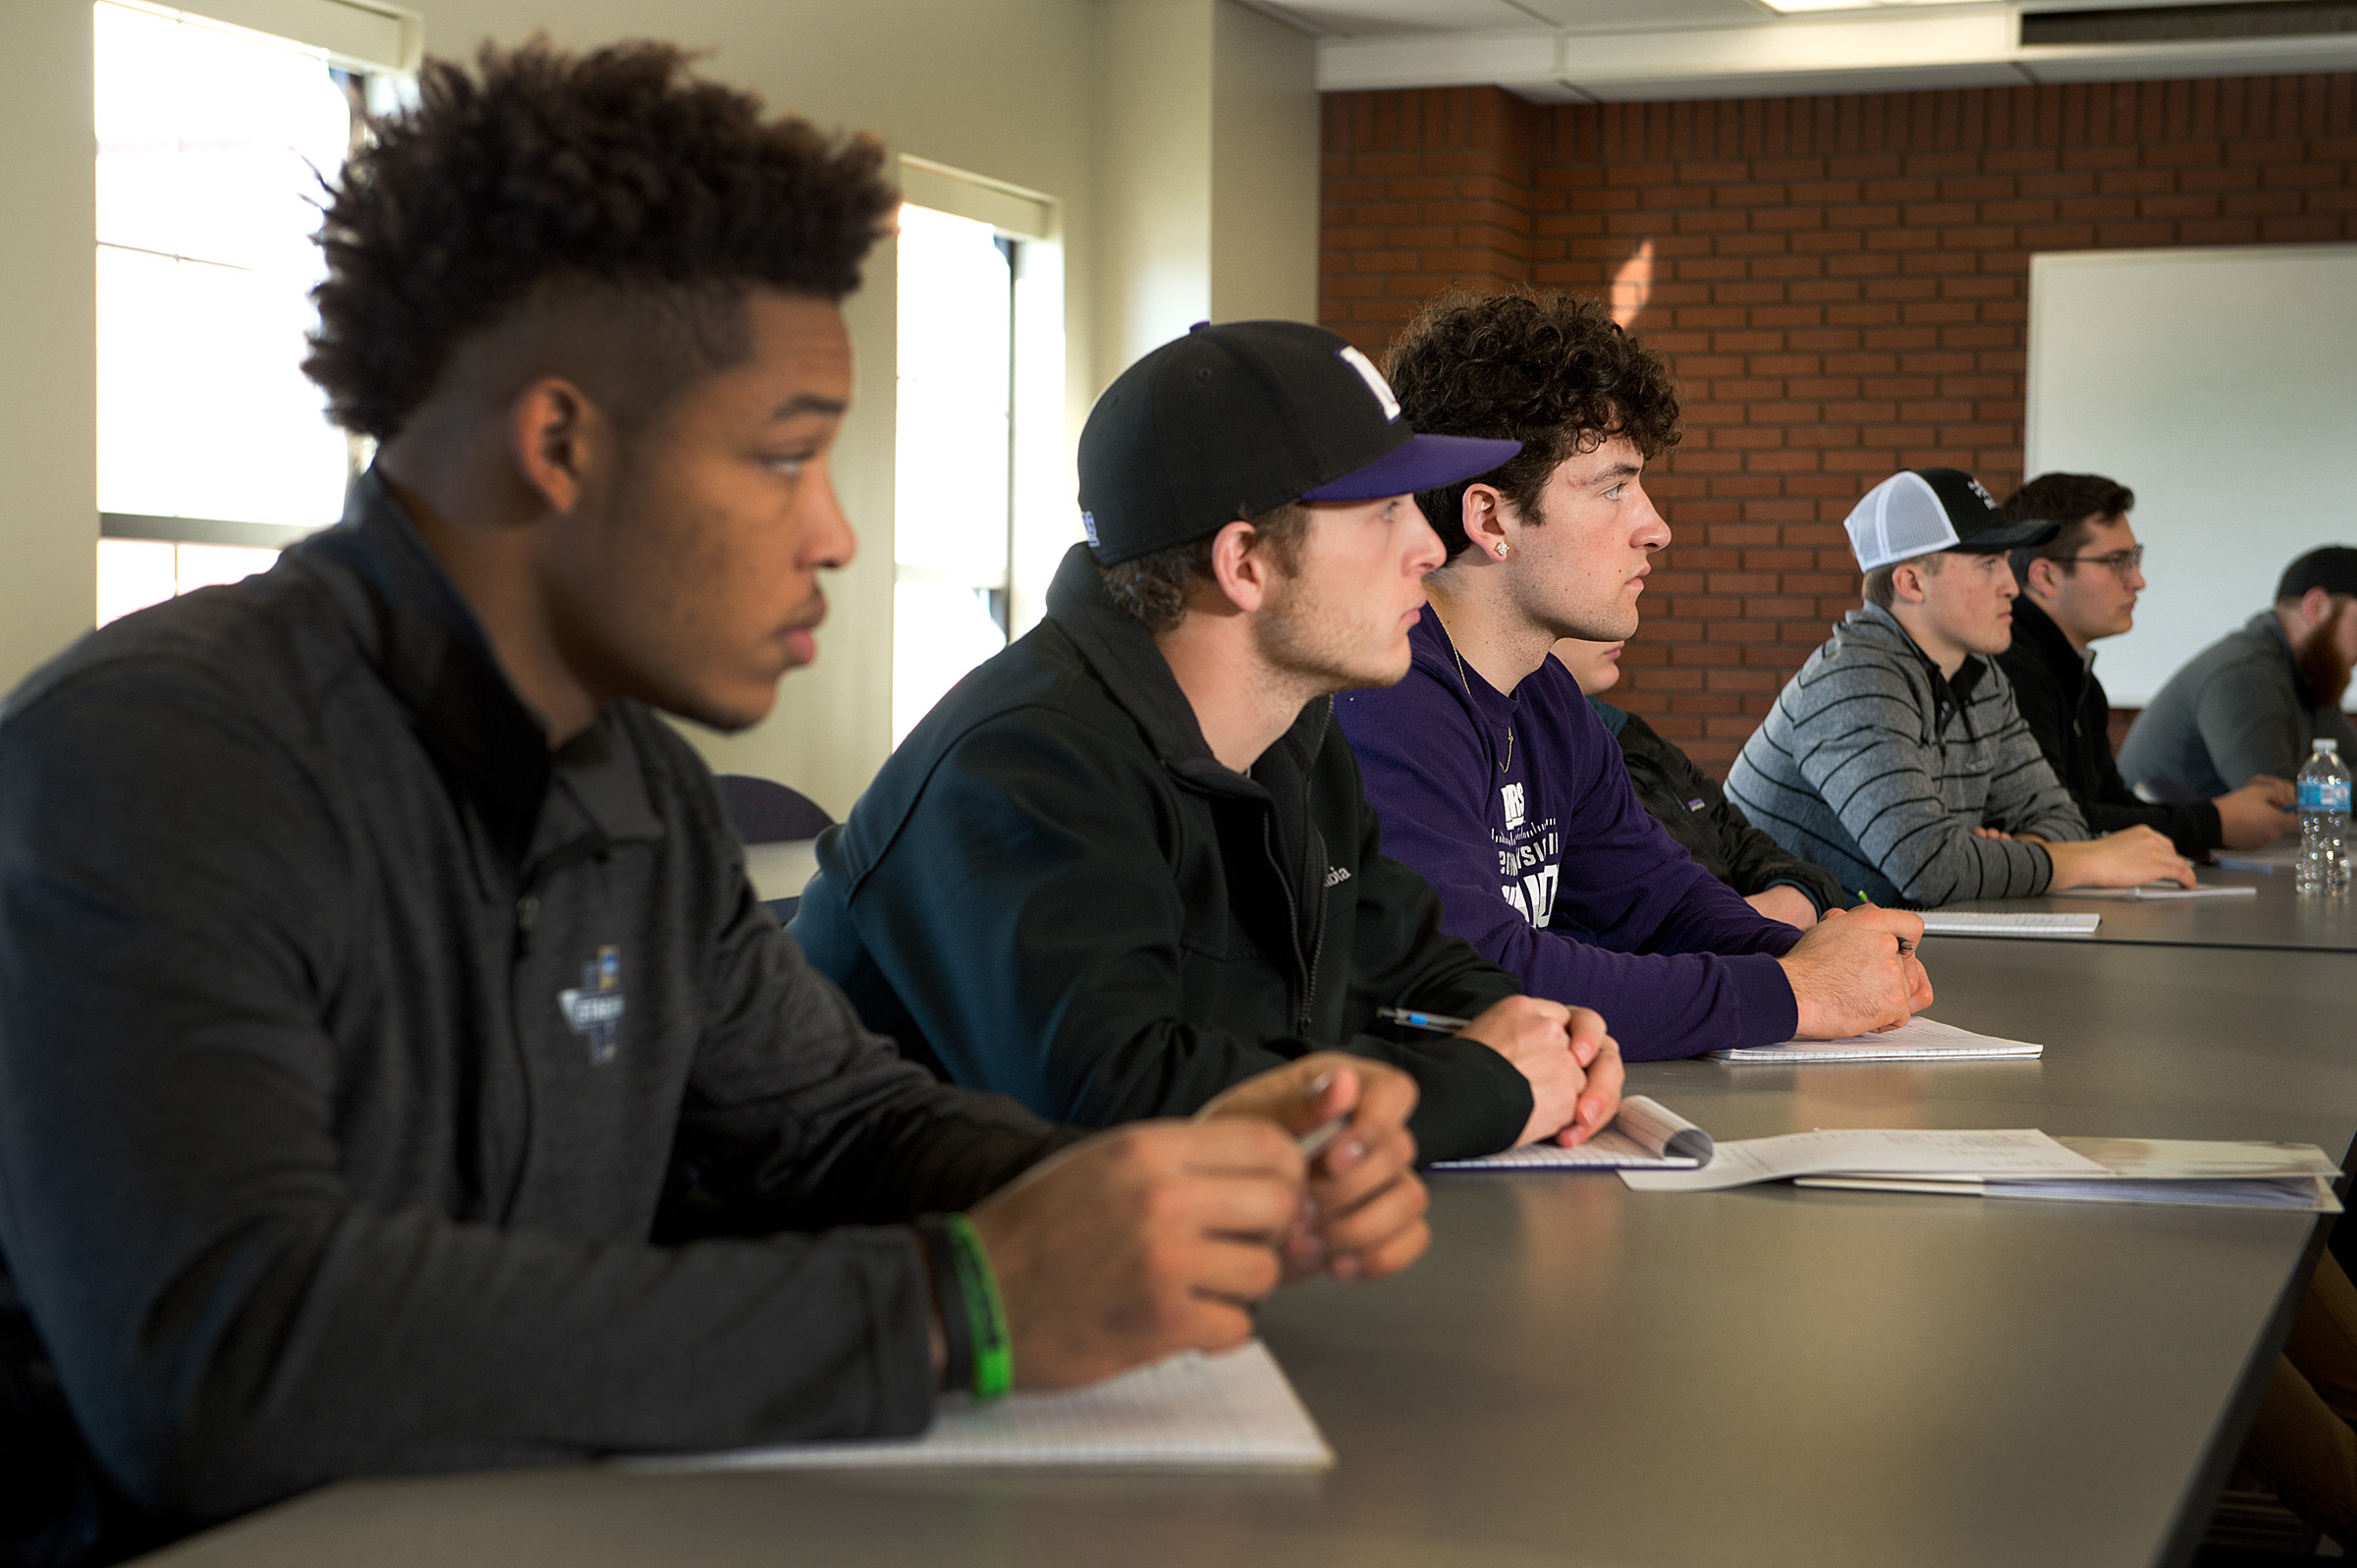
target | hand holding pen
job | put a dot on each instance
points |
(1362, 1210)
(1572, 1065)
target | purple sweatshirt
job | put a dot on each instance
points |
(1547, 863)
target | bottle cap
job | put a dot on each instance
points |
(2328, 746)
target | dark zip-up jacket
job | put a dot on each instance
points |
(358, 1058)
(1053, 889)
(1693, 810)
(2069, 713)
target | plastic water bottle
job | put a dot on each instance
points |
(2323, 786)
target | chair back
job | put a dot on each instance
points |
(765, 811)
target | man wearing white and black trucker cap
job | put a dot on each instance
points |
(1896, 758)
(1128, 862)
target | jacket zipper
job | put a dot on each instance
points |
(1314, 847)
(1305, 965)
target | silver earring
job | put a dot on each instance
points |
(1502, 550)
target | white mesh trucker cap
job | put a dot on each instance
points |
(1920, 511)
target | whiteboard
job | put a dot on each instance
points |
(2220, 386)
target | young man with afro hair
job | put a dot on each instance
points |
(1496, 779)
(397, 1073)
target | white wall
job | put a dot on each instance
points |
(1008, 90)
(1207, 176)
(1153, 175)
(1264, 169)
(2219, 385)
(48, 334)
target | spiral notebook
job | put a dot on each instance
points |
(1988, 923)
(2165, 892)
(1230, 1411)
(1917, 1040)
(1646, 1135)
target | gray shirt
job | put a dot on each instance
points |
(2238, 708)
(1877, 767)
(381, 1091)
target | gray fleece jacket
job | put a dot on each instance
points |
(1877, 767)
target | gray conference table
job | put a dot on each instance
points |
(2274, 917)
(1582, 1374)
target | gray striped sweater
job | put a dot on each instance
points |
(1876, 768)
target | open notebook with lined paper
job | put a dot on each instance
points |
(1230, 1411)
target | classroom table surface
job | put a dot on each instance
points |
(1581, 1374)
(2274, 916)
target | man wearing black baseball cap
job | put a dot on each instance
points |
(1128, 862)
(1841, 773)
(2255, 701)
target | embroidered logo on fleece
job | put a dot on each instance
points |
(595, 1012)
(1337, 875)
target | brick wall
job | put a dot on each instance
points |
(1840, 283)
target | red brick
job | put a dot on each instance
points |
(1839, 286)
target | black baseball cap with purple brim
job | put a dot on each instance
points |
(1237, 419)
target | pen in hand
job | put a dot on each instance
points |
(1439, 1023)
(1904, 945)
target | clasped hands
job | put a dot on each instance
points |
(1158, 1236)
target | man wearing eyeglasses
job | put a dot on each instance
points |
(2076, 588)
(1896, 758)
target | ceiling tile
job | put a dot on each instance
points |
(1369, 19)
(1801, 84)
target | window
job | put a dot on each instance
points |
(213, 448)
(953, 514)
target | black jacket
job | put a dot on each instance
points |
(357, 1053)
(1691, 807)
(2068, 710)
(1053, 889)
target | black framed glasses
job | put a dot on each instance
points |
(2121, 563)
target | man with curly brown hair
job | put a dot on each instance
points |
(1127, 860)
(1497, 780)
(397, 1073)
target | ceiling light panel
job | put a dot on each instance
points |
(1792, 7)
(1583, 13)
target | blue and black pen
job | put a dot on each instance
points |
(1439, 1023)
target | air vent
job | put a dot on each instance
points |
(2267, 18)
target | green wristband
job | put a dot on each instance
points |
(994, 1356)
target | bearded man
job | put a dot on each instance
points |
(2252, 703)
(1128, 862)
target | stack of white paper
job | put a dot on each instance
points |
(2269, 861)
(1981, 923)
(2159, 1170)
(1907, 1152)
(2161, 893)
(1191, 1411)
(1919, 1039)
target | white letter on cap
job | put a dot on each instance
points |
(1373, 378)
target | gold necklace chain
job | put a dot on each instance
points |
(1468, 685)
